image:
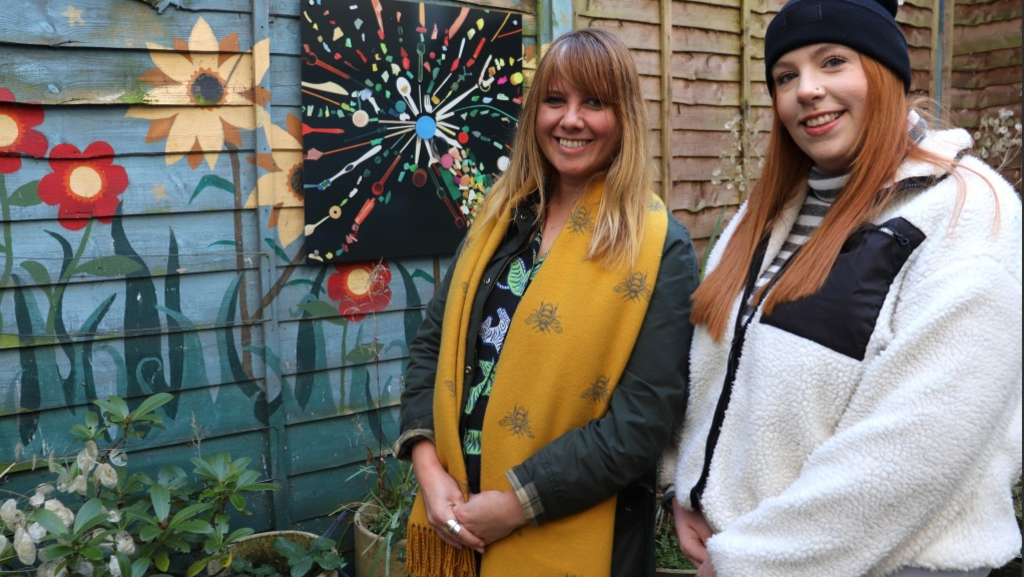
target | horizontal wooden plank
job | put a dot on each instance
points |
(98, 76)
(201, 298)
(205, 243)
(210, 412)
(684, 14)
(205, 361)
(352, 438)
(703, 223)
(291, 8)
(986, 37)
(693, 169)
(354, 389)
(698, 196)
(1002, 95)
(647, 37)
(1010, 75)
(985, 60)
(93, 24)
(973, 14)
(690, 65)
(968, 118)
(349, 343)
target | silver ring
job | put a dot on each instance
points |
(453, 526)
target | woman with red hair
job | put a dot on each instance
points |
(855, 376)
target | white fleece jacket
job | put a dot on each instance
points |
(830, 466)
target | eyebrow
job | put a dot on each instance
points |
(825, 47)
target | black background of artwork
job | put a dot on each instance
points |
(415, 221)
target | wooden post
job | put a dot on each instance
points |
(745, 48)
(269, 265)
(666, 99)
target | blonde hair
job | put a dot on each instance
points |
(884, 142)
(595, 62)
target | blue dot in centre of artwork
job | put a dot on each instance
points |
(426, 127)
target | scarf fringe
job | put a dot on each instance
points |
(430, 556)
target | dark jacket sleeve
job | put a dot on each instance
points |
(587, 465)
(417, 402)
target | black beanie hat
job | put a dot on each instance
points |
(867, 26)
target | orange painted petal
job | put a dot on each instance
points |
(181, 47)
(266, 162)
(195, 157)
(228, 46)
(160, 128)
(157, 77)
(231, 133)
(294, 124)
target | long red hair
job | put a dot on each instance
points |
(882, 145)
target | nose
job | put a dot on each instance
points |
(572, 118)
(809, 88)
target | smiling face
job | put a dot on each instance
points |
(820, 94)
(578, 134)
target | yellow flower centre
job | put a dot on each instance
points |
(358, 281)
(9, 132)
(85, 182)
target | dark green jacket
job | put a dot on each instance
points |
(615, 454)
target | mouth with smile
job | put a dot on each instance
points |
(821, 120)
(572, 144)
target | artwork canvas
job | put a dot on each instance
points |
(408, 112)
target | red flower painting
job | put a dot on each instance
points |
(17, 137)
(85, 184)
(360, 288)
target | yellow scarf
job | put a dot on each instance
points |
(568, 345)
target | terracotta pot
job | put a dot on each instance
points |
(368, 549)
(258, 549)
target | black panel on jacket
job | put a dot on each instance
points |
(842, 314)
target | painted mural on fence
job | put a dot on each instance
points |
(120, 278)
(408, 110)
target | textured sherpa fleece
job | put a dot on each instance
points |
(830, 466)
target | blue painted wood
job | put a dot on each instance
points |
(93, 24)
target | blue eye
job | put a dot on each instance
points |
(784, 77)
(834, 61)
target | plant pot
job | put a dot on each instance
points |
(371, 550)
(258, 549)
(669, 572)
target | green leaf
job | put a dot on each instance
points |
(162, 560)
(197, 526)
(54, 552)
(318, 309)
(89, 512)
(109, 266)
(26, 195)
(139, 567)
(301, 566)
(79, 430)
(93, 553)
(288, 548)
(38, 272)
(187, 513)
(114, 405)
(152, 403)
(237, 501)
(238, 534)
(92, 420)
(124, 564)
(198, 566)
(149, 532)
(161, 501)
(50, 521)
(214, 181)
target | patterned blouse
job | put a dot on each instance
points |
(499, 308)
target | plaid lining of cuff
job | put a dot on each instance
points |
(403, 446)
(533, 509)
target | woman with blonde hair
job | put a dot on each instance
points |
(578, 279)
(855, 378)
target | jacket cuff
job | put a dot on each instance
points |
(526, 490)
(403, 446)
(666, 498)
